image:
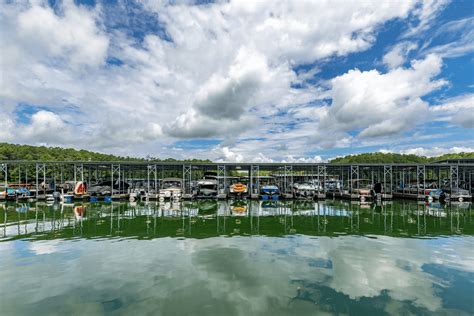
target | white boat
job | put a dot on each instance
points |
(50, 198)
(207, 186)
(304, 190)
(171, 188)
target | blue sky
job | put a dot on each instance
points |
(239, 80)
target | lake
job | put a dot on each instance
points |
(237, 258)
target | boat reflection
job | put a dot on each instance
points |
(210, 218)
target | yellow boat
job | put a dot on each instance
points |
(238, 188)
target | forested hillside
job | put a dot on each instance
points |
(396, 158)
(42, 153)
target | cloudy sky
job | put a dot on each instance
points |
(239, 80)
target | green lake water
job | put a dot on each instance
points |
(237, 258)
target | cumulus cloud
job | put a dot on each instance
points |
(376, 104)
(6, 127)
(457, 110)
(227, 155)
(222, 103)
(397, 55)
(195, 125)
(464, 118)
(73, 35)
(46, 127)
(430, 151)
(292, 159)
(230, 96)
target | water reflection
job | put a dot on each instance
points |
(210, 218)
(284, 258)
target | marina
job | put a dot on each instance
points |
(106, 181)
(237, 158)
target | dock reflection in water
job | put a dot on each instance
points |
(284, 257)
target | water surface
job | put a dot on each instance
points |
(237, 258)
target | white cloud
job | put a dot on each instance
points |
(230, 96)
(6, 127)
(458, 110)
(426, 12)
(430, 151)
(222, 102)
(46, 127)
(74, 35)
(291, 159)
(227, 155)
(464, 118)
(397, 55)
(45, 247)
(377, 104)
(455, 38)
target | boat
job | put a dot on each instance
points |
(304, 190)
(80, 188)
(363, 194)
(10, 194)
(105, 188)
(207, 186)
(270, 191)
(79, 212)
(67, 198)
(238, 189)
(207, 206)
(50, 198)
(136, 190)
(134, 196)
(239, 208)
(458, 194)
(22, 192)
(333, 185)
(171, 188)
(436, 194)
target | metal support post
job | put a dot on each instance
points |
(354, 176)
(322, 172)
(420, 175)
(221, 179)
(187, 178)
(40, 168)
(78, 173)
(387, 173)
(150, 172)
(4, 169)
(254, 179)
(115, 170)
(454, 178)
(288, 178)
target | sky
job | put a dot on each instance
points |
(260, 81)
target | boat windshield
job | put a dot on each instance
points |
(171, 184)
(208, 186)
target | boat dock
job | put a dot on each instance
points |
(452, 180)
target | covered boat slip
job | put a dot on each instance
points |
(450, 180)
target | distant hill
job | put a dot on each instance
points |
(42, 153)
(396, 158)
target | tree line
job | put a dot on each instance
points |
(396, 158)
(43, 153)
